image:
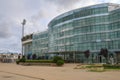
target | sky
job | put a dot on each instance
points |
(38, 13)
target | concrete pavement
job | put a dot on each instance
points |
(67, 72)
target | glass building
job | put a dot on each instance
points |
(40, 43)
(89, 28)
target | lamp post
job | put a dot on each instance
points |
(23, 24)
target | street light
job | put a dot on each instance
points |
(23, 24)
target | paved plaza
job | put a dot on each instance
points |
(67, 72)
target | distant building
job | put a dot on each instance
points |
(8, 57)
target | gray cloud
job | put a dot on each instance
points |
(5, 30)
(38, 13)
(46, 12)
(64, 3)
(13, 43)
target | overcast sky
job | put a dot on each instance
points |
(38, 13)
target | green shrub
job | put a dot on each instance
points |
(23, 59)
(17, 61)
(60, 62)
(56, 58)
(33, 61)
(39, 61)
(109, 66)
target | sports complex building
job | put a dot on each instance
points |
(70, 34)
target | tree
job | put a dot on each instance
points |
(104, 52)
(87, 53)
(34, 56)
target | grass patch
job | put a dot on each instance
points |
(99, 67)
(109, 66)
(97, 70)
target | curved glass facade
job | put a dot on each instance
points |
(89, 28)
(82, 29)
(114, 30)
